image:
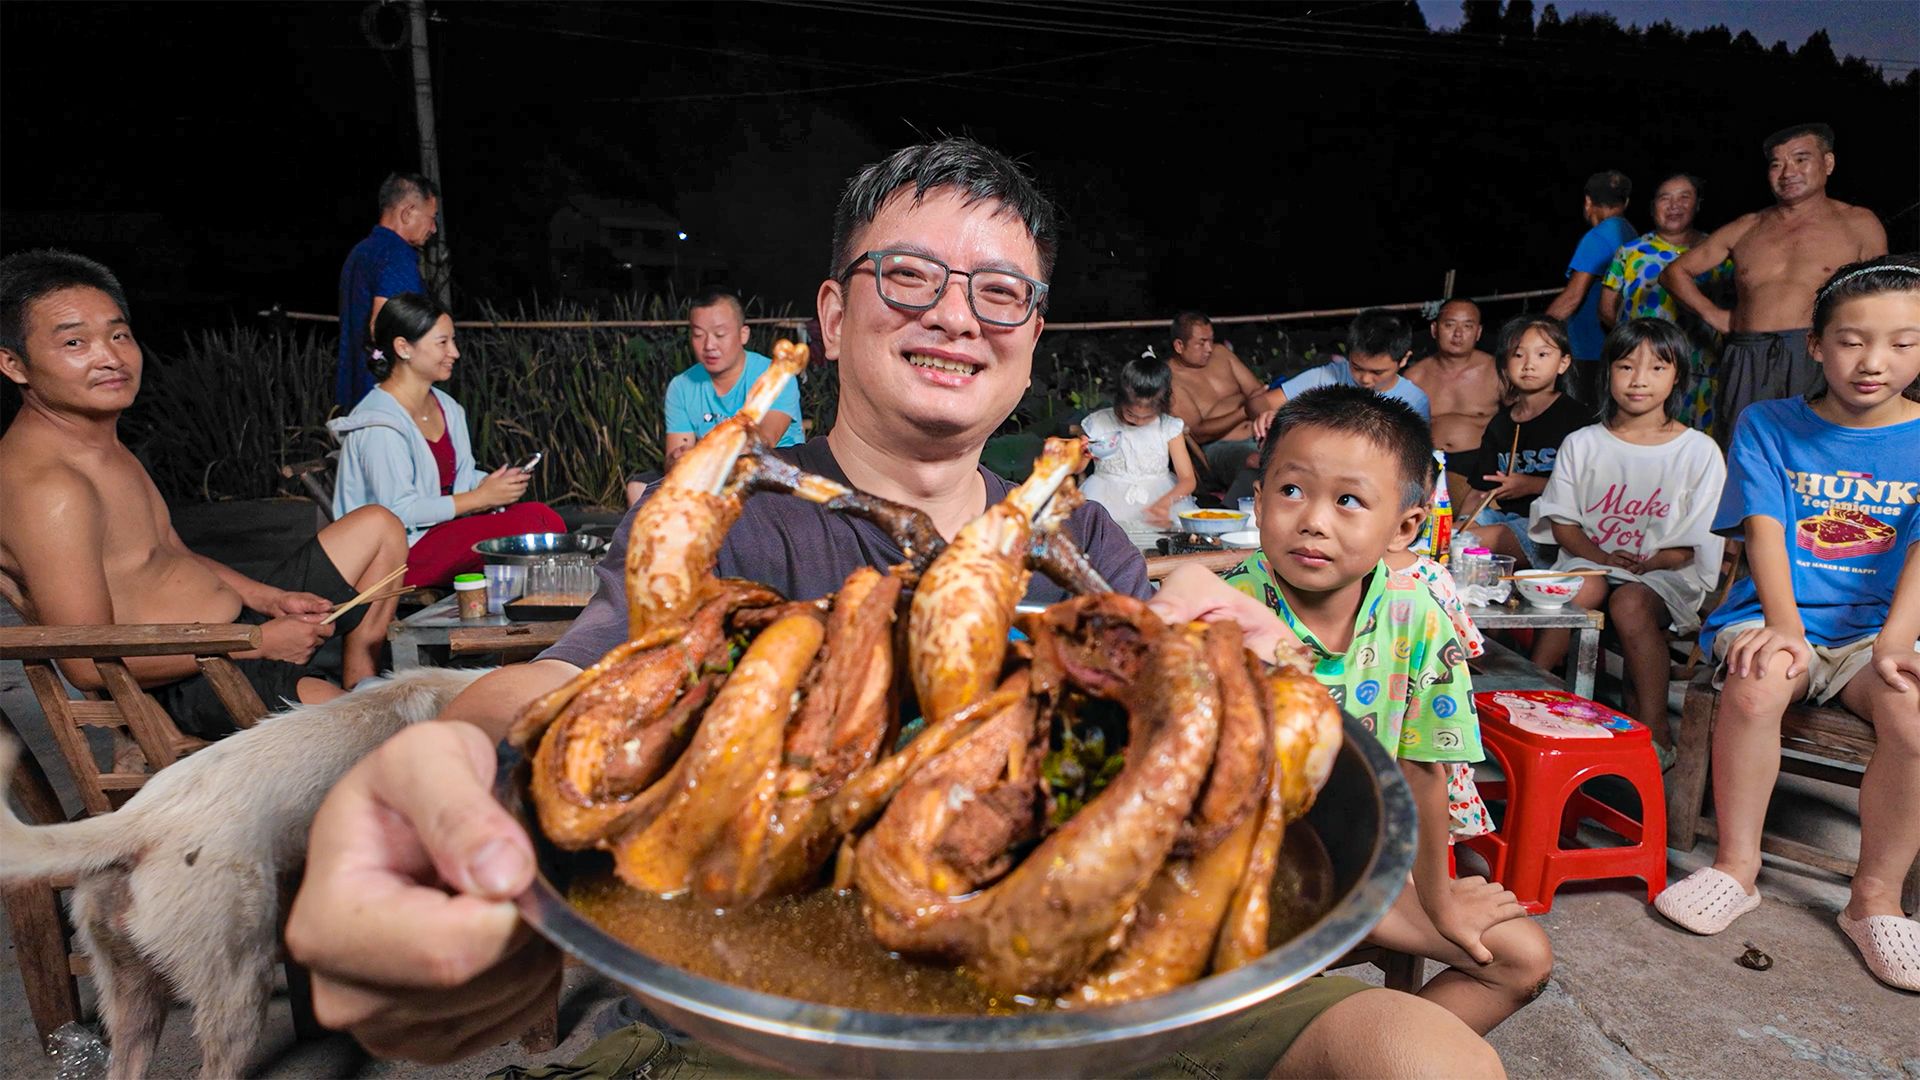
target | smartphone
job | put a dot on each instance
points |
(532, 462)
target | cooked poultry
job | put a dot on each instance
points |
(736, 741)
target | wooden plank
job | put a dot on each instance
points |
(51, 693)
(97, 714)
(235, 692)
(150, 727)
(29, 785)
(40, 948)
(153, 639)
(1791, 849)
(123, 781)
(1693, 746)
(1219, 562)
(487, 639)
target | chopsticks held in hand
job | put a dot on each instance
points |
(370, 593)
(1513, 455)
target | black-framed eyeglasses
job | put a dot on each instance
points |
(916, 283)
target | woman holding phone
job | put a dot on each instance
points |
(405, 447)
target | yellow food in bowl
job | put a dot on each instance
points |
(1212, 515)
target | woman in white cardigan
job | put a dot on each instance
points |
(405, 447)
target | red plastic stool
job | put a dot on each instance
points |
(1548, 743)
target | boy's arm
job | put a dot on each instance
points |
(1893, 655)
(1195, 593)
(1464, 909)
(1767, 559)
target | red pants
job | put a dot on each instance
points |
(447, 548)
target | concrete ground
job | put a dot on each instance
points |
(1631, 995)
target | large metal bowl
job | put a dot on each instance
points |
(1365, 818)
(528, 548)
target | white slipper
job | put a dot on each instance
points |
(1705, 901)
(1890, 945)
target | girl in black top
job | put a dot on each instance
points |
(1517, 452)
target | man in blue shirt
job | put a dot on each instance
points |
(1578, 305)
(715, 387)
(384, 264)
(1379, 344)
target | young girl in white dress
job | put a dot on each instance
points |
(1141, 469)
(1635, 495)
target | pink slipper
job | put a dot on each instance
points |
(1705, 901)
(1890, 945)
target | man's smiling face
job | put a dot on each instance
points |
(939, 373)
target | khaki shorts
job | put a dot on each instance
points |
(1249, 1046)
(1829, 673)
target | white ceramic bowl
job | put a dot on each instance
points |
(1544, 588)
(1233, 521)
(1247, 538)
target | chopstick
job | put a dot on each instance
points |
(369, 593)
(1560, 573)
(1513, 452)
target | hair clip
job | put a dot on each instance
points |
(378, 355)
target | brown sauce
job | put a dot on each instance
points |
(816, 947)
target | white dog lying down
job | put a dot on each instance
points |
(179, 890)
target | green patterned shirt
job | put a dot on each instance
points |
(1404, 677)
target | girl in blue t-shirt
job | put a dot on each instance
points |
(1826, 494)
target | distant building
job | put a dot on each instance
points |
(604, 247)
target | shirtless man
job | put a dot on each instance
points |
(88, 538)
(1781, 255)
(1218, 398)
(1461, 380)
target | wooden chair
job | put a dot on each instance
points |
(48, 967)
(1829, 733)
(316, 477)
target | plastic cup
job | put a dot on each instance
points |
(1499, 566)
(471, 589)
(504, 583)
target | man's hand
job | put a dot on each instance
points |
(283, 602)
(292, 639)
(404, 915)
(1471, 907)
(1899, 669)
(1754, 650)
(1195, 593)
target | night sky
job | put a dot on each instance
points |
(1234, 156)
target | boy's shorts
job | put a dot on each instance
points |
(195, 708)
(1829, 673)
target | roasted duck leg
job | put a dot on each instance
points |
(963, 606)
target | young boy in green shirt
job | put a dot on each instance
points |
(1344, 478)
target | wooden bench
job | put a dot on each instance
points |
(1835, 736)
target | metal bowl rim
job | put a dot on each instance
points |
(583, 543)
(1383, 875)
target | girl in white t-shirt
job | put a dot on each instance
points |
(1634, 495)
(1141, 469)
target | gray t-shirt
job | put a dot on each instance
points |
(806, 552)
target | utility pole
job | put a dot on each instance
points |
(439, 263)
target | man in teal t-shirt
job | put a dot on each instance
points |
(715, 387)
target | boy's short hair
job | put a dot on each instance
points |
(1374, 332)
(26, 276)
(1386, 422)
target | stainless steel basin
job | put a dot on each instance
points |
(533, 547)
(1365, 817)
